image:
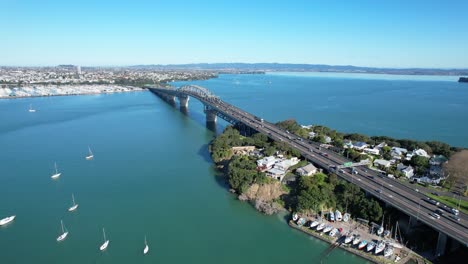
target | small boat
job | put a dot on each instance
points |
(380, 247)
(332, 216)
(327, 229)
(31, 110)
(388, 251)
(397, 259)
(7, 220)
(314, 224)
(370, 246)
(301, 221)
(295, 217)
(362, 244)
(146, 249)
(346, 217)
(333, 232)
(320, 226)
(90, 154)
(338, 215)
(63, 235)
(356, 240)
(396, 245)
(56, 174)
(349, 238)
(380, 230)
(106, 242)
(73, 208)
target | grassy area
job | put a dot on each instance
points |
(450, 201)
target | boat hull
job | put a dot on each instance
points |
(62, 237)
(55, 176)
(104, 246)
(145, 250)
(7, 220)
(73, 208)
(90, 157)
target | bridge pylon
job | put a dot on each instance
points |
(183, 101)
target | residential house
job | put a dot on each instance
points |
(382, 163)
(430, 180)
(373, 151)
(398, 151)
(328, 139)
(408, 172)
(421, 152)
(280, 168)
(307, 170)
(438, 160)
(266, 163)
(312, 134)
(347, 143)
(381, 145)
(360, 145)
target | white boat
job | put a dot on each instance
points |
(56, 174)
(388, 251)
(380, 247)
(314, 224)
(320, 226)
(74, 206)
(106, 242)
(362, 244)
(63, 235)
(349, 238)
(356, 240)
(333, 232)
(301, 221)
(338, 215)
(7, 220)
(31, 110)
(346, 217)
(397, 259)
(380, 230)
(146, 249)
(370, 246)
(295, 217)
(90, 154)
(332, 216)
(327, 229)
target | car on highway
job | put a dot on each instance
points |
(439, 212)
(324, 154)
(379, 191)
(416, 190)
(454, 211)
(436, 216)
(456, 218)
(432, 201)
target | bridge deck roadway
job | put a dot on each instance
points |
(390, 191)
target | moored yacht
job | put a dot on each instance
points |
(63, 235)
(74, 206)
(90, 154)
(56, 174)
(7, 220)
(31, 109)
(106, 242)
(146, 249)
(380, 247)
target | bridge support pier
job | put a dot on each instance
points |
(244, 130)
(183, 100)
(211, 116)
(441, 244)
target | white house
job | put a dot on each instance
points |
(373, 151)
(276, 173)
(421, 152)
(328, 139)
(382, 163)
(307, 170)
(408, 172)
(399, 151)
(359, 145)
(312, 134)
(430, 180)
(285, 164)
(266, 162)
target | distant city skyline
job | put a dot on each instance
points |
(393, 34)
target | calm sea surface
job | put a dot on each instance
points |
(152, 174)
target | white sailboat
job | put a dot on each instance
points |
(63, 235)
(320, 226)
(7, 220)
(31, 110)
(56, 174)
(146, 249)
(74, 206)
(106, 242)
(314, 224)
(90, 154)
(349, 238)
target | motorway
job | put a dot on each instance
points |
(398, 195)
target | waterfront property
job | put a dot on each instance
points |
(307, 170)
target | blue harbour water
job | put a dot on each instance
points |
(152, 174)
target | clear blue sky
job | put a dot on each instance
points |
(396, 33)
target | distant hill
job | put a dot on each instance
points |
(275, 67)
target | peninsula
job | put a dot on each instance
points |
(463, 79)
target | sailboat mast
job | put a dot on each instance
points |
(55, 164)
(145, 241)
(104, 232)
(63, 231)
(73, 198)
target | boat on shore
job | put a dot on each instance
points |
(7, 220)
(295, 217)
(301, 221)
(63, 235)
(338, 215)
(380, 247)
(56, 174)
(346, 217)
(333, 232)
(320, 226)
(349, 238)
(314, 224)
(332, 216)
(362, 244)
(356, 239)
(388, 251)
(370, 246)
(327, 229)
